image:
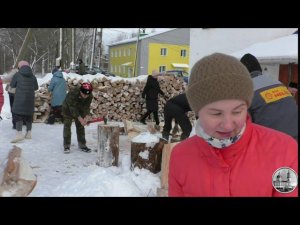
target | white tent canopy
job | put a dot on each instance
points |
(282, 50)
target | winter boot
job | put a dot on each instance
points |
(28, 134)
(85, 149)
(66, 149)
(19, 137)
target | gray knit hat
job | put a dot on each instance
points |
(218, 77)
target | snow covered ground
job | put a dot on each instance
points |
(74, 174)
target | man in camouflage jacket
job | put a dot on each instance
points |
(77, 106)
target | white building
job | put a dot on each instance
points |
(228, 40)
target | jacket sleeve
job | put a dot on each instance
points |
(145, 90)
(87, 105)
(36, 85)
(52, 84)
(13, 82)
(175, 189)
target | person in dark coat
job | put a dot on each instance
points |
(273, 105)
(23, 107)
(151, 92)
(176, 108)
(81, 69)
(58, 87)
(77, 107)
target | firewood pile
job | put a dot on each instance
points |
(118, 99)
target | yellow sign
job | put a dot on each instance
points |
(275, 94)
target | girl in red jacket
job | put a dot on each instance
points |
(229, 155)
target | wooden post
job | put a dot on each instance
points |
(108, 145)
(163, 191)
(147, 155)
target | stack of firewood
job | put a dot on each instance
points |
(118, 99)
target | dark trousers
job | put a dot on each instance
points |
(79, 130)
(174, 112)
(20, 119)
(11, 102)
(55, 113)
(155, 114)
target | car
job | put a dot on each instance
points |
(176, 73)
(92, 71)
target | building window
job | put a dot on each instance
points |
(163, 51)
(112, 68)
(120, 52)
(129, 51)
(112, 54)
(124, 53)
(162, 68)
(183, 53)
(115, 69)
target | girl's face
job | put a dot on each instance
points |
(224, 118)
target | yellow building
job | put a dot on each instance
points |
(168, 50)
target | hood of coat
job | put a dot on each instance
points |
(26, 71)
(58, 74)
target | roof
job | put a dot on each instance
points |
(282, 50)
(140, 38)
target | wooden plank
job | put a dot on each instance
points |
(167, 150)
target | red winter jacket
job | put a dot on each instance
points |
(1, 95)
(242, 169)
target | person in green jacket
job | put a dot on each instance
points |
(77, 106)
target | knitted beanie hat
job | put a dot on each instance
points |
(22, 63)
(251, 63)
(218, 77)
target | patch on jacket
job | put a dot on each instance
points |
(275, 94)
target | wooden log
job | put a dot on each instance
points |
(147, 155)
(167, 150)
(108, 145)
(18, 179)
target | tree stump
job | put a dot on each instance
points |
(147, 154)
(108, 145)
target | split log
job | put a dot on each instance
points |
(122, 98)
(147, 154)
(167, 150)
(108, 145)
(16, 176)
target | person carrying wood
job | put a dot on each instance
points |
(77, 106)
